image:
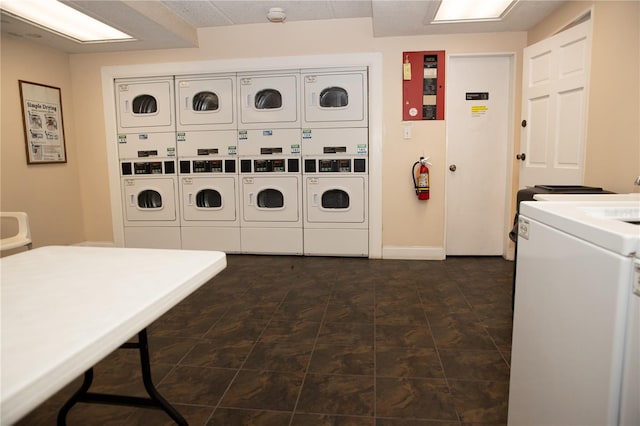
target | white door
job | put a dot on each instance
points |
(269, 101)
(338, 99)
(335, 199)
(271, 199)
(149, 200)
(145, 105)
(209, 199)
(554, 100)
(479, 101)
(209, 103)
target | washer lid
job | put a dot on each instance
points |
(613, 225)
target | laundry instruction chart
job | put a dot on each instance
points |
(42, 117)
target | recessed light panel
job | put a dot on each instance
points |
(472, 10)
(64, 20)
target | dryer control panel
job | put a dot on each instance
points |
(276, 165)
(207, 166)
(142, 168)
(335, 165)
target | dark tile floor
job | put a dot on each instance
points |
(278, 340)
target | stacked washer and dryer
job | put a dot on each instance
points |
(263, 162)
(270, 172)
(208, 172)
(335, 156)
(147, 153)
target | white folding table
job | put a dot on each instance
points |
(64, 308)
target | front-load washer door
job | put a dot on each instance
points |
(145, 105)
(335, 99)
(271, 199)
(206, 103)
(209, 199)
(149, 199)
(268, 100)
(336, 199)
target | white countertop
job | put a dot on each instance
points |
(601, 222)
(66, 308)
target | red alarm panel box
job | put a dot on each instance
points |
(423, 85)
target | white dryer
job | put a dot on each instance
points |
(144, 104)
(206, 102)
(149, 199)
(145, 117)
(209, 203)
(335, 98)
(335, 192)
(271, 192)
(269, 100)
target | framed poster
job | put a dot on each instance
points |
(43, 126)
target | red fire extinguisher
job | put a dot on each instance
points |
(421, 178)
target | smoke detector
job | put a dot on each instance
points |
(276, 14)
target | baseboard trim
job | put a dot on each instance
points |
(95, 244)
(413, 253)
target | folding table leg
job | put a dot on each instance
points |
(155, 400)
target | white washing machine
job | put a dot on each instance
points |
(335, 98)
(145, 116)
(206, 102)
(208, 179)
(271, 191)
(269, 100)
(573, 315)
(336, 192)
(149, 199)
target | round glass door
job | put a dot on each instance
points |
(205, 101)
(334, 97)
(144, 104)
(149, 199)
(335, 199)
(209, 199)
(268, 99)
(270, 199)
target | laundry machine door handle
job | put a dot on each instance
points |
(314, 200)
(132, 200)
(190, 198)
(126, 106)
(314, 98)
(250, 201)
(248, 100)
(186, 103)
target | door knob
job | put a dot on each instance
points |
(522, 156)
(452, 167)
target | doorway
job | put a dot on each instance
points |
(479, 111)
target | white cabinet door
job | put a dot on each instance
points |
(554, 96)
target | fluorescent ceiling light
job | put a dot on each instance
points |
(472, 10)
(62, 19)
